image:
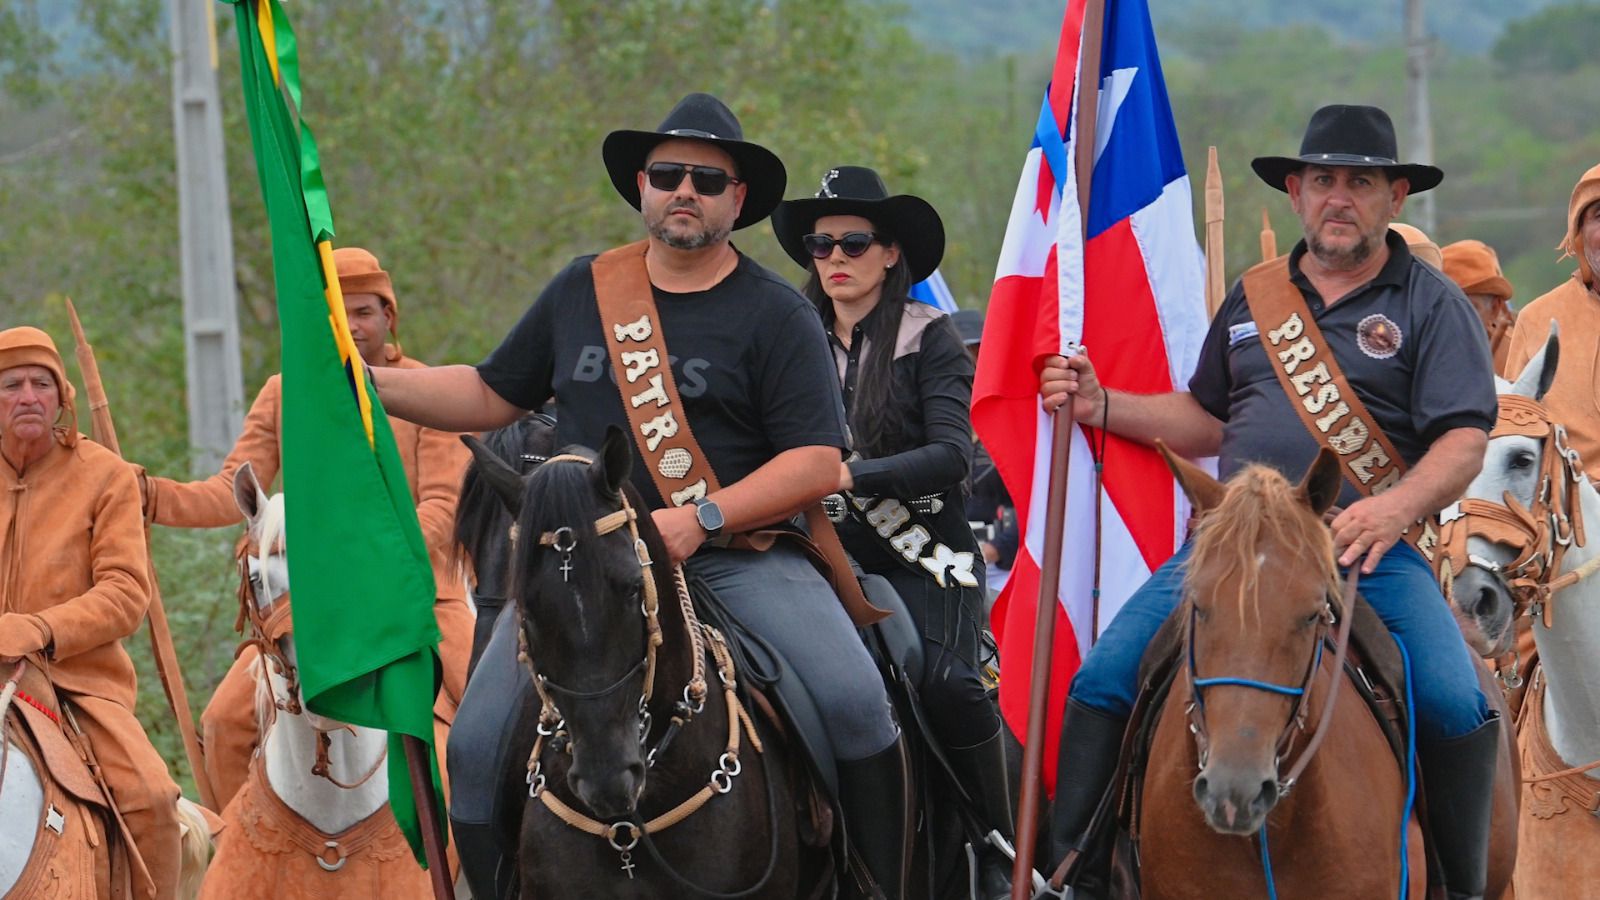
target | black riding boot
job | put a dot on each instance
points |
(876, 796)
(1458, 776)
(983, 774)
(1090, 743)
(490, 876)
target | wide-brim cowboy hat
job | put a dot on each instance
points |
(700, 117)
(909, 221)
(1361, 136)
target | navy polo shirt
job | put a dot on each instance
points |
(1409, 343)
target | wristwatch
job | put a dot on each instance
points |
(709, 515)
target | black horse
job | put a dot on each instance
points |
(609, 760)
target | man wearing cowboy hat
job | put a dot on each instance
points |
(748, 356)
(74, 582)
(1475, 268)
(1414, 355)
(1574, 305)
(433, 462)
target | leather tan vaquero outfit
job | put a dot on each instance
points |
(73, 584)
(1575, 305)
(434, 462)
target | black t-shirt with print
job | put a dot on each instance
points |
(749, 357)
(1432, 374)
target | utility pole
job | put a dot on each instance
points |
(210, 303)
(1417, 52)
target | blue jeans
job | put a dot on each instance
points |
(1404, 594)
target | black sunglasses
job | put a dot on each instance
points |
(820, 246)
(709, 181)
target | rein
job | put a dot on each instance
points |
(1196, 709)
(625, 835)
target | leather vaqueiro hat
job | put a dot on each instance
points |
(700, 117)
(1348, 136)
(909, 221)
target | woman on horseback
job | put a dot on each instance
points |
(907, 384)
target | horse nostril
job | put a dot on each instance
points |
(1269, 794)
(1202, 787)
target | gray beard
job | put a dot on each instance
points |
(705, 237)
(1342, 260)
(1593, 259)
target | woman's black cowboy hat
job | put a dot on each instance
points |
(1348, 136)
(700, 117)
(910, 221)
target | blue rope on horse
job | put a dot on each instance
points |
(1411, 779)
(1245, 682)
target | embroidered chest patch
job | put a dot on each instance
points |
(1378, 336)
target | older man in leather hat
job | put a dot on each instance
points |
(1383, 339)
(758, 388)
(1574, 305)
(434, 462)
(1474, 267)
(74, 583)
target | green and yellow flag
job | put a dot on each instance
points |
(364, 627)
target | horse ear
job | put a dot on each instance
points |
(502, 479)
(1552, 355)
(1204, 491)
(1320, 488)
(247, 493)
(1540, 371)
(616, 460)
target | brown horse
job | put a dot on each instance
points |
(1262, 600)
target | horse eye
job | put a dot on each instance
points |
(1523, 460)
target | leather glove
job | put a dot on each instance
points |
(21, 634)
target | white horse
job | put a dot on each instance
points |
(318, 786)
(1547, 577)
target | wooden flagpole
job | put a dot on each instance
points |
(1088, 109)
(105, 434)
(428, 814)
(1216, 287)
(1269, 239)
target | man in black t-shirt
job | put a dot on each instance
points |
(759, 393)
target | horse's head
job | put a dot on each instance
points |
(580, 584)
(264, 593)
(1259, 588)
(1514, 469)
(483, 525)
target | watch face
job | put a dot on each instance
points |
(709, 515)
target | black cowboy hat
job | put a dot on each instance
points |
(910, 221)
(1348, 136)
(700, 117)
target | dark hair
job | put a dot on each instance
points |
(877, 425)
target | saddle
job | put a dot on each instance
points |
(78, 827)
(1373, 669)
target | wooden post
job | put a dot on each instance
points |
(1269, 240)
(1216, 262)
(1062, 426)
(104, 430)
(428, 817)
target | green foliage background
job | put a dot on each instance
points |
(461, 144)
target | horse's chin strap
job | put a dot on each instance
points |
(1197, 710)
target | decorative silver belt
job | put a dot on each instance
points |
(929, 505)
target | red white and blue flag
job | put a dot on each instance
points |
(1132, 294)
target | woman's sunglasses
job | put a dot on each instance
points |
(855, 243)
(709, 181)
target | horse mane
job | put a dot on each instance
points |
(479, 513)
(1260, 505)
(270, 536)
